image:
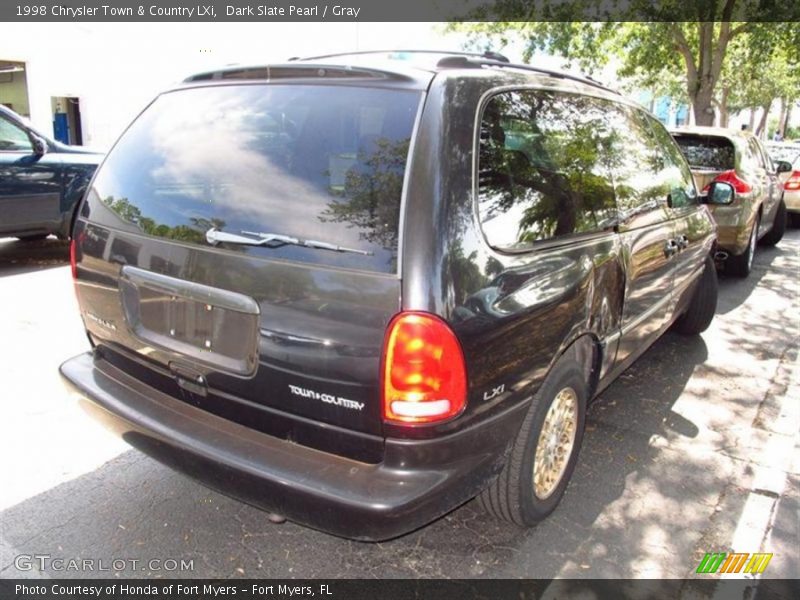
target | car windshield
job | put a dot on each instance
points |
(313, 162)
(707, 151)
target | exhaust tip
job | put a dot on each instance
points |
(275, 518)
(720, 256)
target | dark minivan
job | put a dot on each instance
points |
(358, 292)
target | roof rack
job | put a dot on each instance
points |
(467, 61)
(487, 55)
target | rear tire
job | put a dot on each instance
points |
(741, 265)
(703, 305)
(794, 219)
(778, 227)
(519, 495)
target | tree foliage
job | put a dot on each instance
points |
(648, 50)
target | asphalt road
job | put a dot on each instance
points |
(693, 449)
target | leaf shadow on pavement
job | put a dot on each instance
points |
(735, 291)
(133, 507)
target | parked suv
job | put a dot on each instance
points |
(41, 180)
(359, 292)
(757, 211)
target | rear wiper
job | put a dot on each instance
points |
(273, 240)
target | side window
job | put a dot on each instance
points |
(676, 174)
(13, 138)
(754, 154)
(637, 161)
(765, 157)
(544, 167)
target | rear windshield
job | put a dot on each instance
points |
(707, 152)
(313, 162)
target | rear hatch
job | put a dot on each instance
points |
(707, 155)
(239, 249)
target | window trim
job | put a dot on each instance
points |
(538, 245)
(401, 222)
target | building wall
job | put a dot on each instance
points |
(115, 69)
(669, 112)
(13, 92)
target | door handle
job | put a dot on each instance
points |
(683, 242)
(670, 248)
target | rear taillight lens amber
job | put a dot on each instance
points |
(793, 183)
(73, 262)
(424, 375)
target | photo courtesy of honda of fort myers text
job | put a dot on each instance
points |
(399, 299)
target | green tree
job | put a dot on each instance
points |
(760, 83)
(133, 215)
(650, 52)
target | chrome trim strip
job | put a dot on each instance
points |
(401, 225)
(611, 338)
(641, 317)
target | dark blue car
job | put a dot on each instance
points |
(41, 180)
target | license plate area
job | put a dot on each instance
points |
(211, 326)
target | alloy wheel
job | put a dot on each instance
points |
(555, 444)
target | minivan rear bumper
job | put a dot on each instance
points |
(418, 481)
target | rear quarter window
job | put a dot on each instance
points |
(543, 168)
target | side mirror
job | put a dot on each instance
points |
(783, 166)
(39, 145)
(719, 193)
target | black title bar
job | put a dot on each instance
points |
(393, 10)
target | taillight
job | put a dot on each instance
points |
(740, 186)
(424, 376)
(73, 262)
(793, 183)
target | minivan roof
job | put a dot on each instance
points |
(412, 66)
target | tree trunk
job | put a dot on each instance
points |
(782, 118)
(752, 122)
(762, 124)
(785, 124)
(723, 107)
(703, 108)
(703, 70)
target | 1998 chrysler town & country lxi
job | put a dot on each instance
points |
(358, 292)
